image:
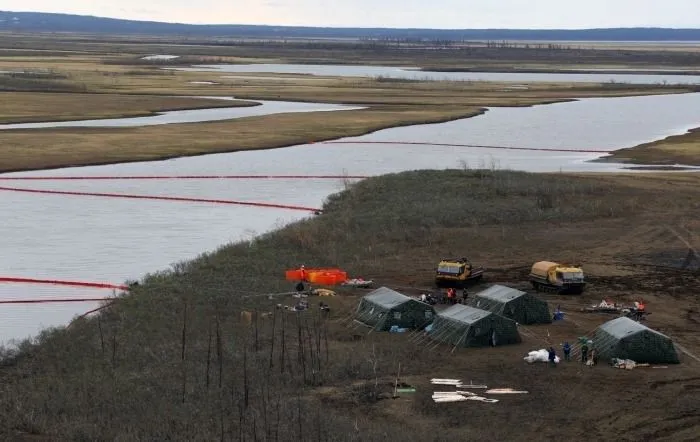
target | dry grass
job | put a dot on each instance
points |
(90, 75)
(173, 360)
(22, 107)
(677, 149)
(37, 149)
(309, 51)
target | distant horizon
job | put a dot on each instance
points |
(58, 22)
(146, 20)
(446, 15)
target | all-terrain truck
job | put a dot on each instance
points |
(560, 278)
(457, 273)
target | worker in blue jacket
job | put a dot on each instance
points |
(567, 351)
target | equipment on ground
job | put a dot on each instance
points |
(457, 273)
(560, 278)
(358, 283)
(634, 313)
(322, 292)
(322, 276)
(607, 306)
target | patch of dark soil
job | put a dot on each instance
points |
(671, 282)
(680, 258)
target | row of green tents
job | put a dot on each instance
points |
(492, 318)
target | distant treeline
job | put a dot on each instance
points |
(48, 22)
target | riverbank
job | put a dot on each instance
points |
(562, 70)
(34, 149)
(324, 51)
(676, 149)
(35, 107)
(174, 356)
(37, 149)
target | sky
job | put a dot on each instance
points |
(442, 14)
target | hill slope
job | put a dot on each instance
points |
(175, 359)
(49, 22)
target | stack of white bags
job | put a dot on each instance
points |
(539, 356)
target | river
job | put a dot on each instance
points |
(411, 73)
(111, 240)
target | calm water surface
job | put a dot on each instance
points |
(411, 73)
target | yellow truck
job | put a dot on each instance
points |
(457, 273)
(561, 278)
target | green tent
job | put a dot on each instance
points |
(521, 307)
(465, 326)
(383, 308)
(624, 338)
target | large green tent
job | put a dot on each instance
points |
(383, 308)
(521, 307)
(465, 326)
(624, 338)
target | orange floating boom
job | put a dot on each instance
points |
(49, 300)
(98, 285)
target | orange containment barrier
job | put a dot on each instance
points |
(98, 285)
(293, 275)
(329, 276)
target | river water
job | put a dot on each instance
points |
(191, 115)
(111, 240)
(411, 73)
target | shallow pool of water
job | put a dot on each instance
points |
(110, 240)
(415, 74)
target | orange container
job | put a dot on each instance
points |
(314, 275)
(292, 275)
(323, 279)
(328, 278)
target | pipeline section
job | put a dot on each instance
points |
(480, 146)
(52, 300)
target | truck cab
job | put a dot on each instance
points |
(562, 278)
(456, 272)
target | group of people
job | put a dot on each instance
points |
(449, 297)
(588, 354)
(639, 310)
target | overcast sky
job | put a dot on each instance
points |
(389, 13)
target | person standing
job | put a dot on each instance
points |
(584, 353)
(592, 359)
(552, 357)
(567, 351)
(641, 307)
(450, 295)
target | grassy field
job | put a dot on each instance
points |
(47, 148)
(552, 55)
(106, 90)
(678, 149)
(23, 107)
(174, 360)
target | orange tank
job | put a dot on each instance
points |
(325, 276)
